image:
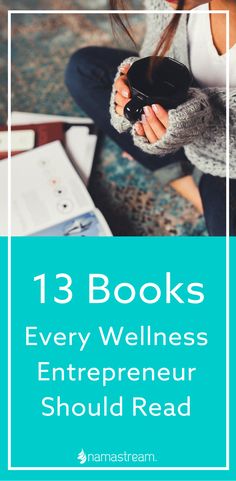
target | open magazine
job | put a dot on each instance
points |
(48, 198)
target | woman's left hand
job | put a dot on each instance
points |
(154, 123)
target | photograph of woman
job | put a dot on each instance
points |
(186, 145)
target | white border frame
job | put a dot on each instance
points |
(104, 12)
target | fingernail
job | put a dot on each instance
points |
(137, 127)
(125, 94)
(146, 110)
(144, 118)
(155, 108)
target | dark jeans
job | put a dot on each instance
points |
(213, 194)
(89, 77)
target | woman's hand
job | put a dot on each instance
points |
(154, 123)
(123, 94)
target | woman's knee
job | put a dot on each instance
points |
(79, 67)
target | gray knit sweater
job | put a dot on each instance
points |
(199, 124)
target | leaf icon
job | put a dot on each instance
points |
(82, 457)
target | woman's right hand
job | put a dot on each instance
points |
(123, 94)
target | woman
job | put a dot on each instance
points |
(194, 131)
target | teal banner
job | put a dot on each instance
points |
(118, 359)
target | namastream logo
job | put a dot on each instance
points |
(82, 457)
(123, 457)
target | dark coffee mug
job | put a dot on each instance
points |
(166, 84)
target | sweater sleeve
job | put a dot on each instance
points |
(209, 152)
(186, 123)
(199, 125)
(119, 122)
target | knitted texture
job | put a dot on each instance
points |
(186, 123)
(199, 124)
(156, 24)
(209, 149)
(119, 122)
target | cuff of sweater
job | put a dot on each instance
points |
(120, 123)
(186, 123)
(161, 147)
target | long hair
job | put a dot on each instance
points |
(167, 36)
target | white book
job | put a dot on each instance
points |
(80, 146)
(47, 196)
(82, 153)
(18, 118)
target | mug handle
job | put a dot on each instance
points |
(133, 109)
